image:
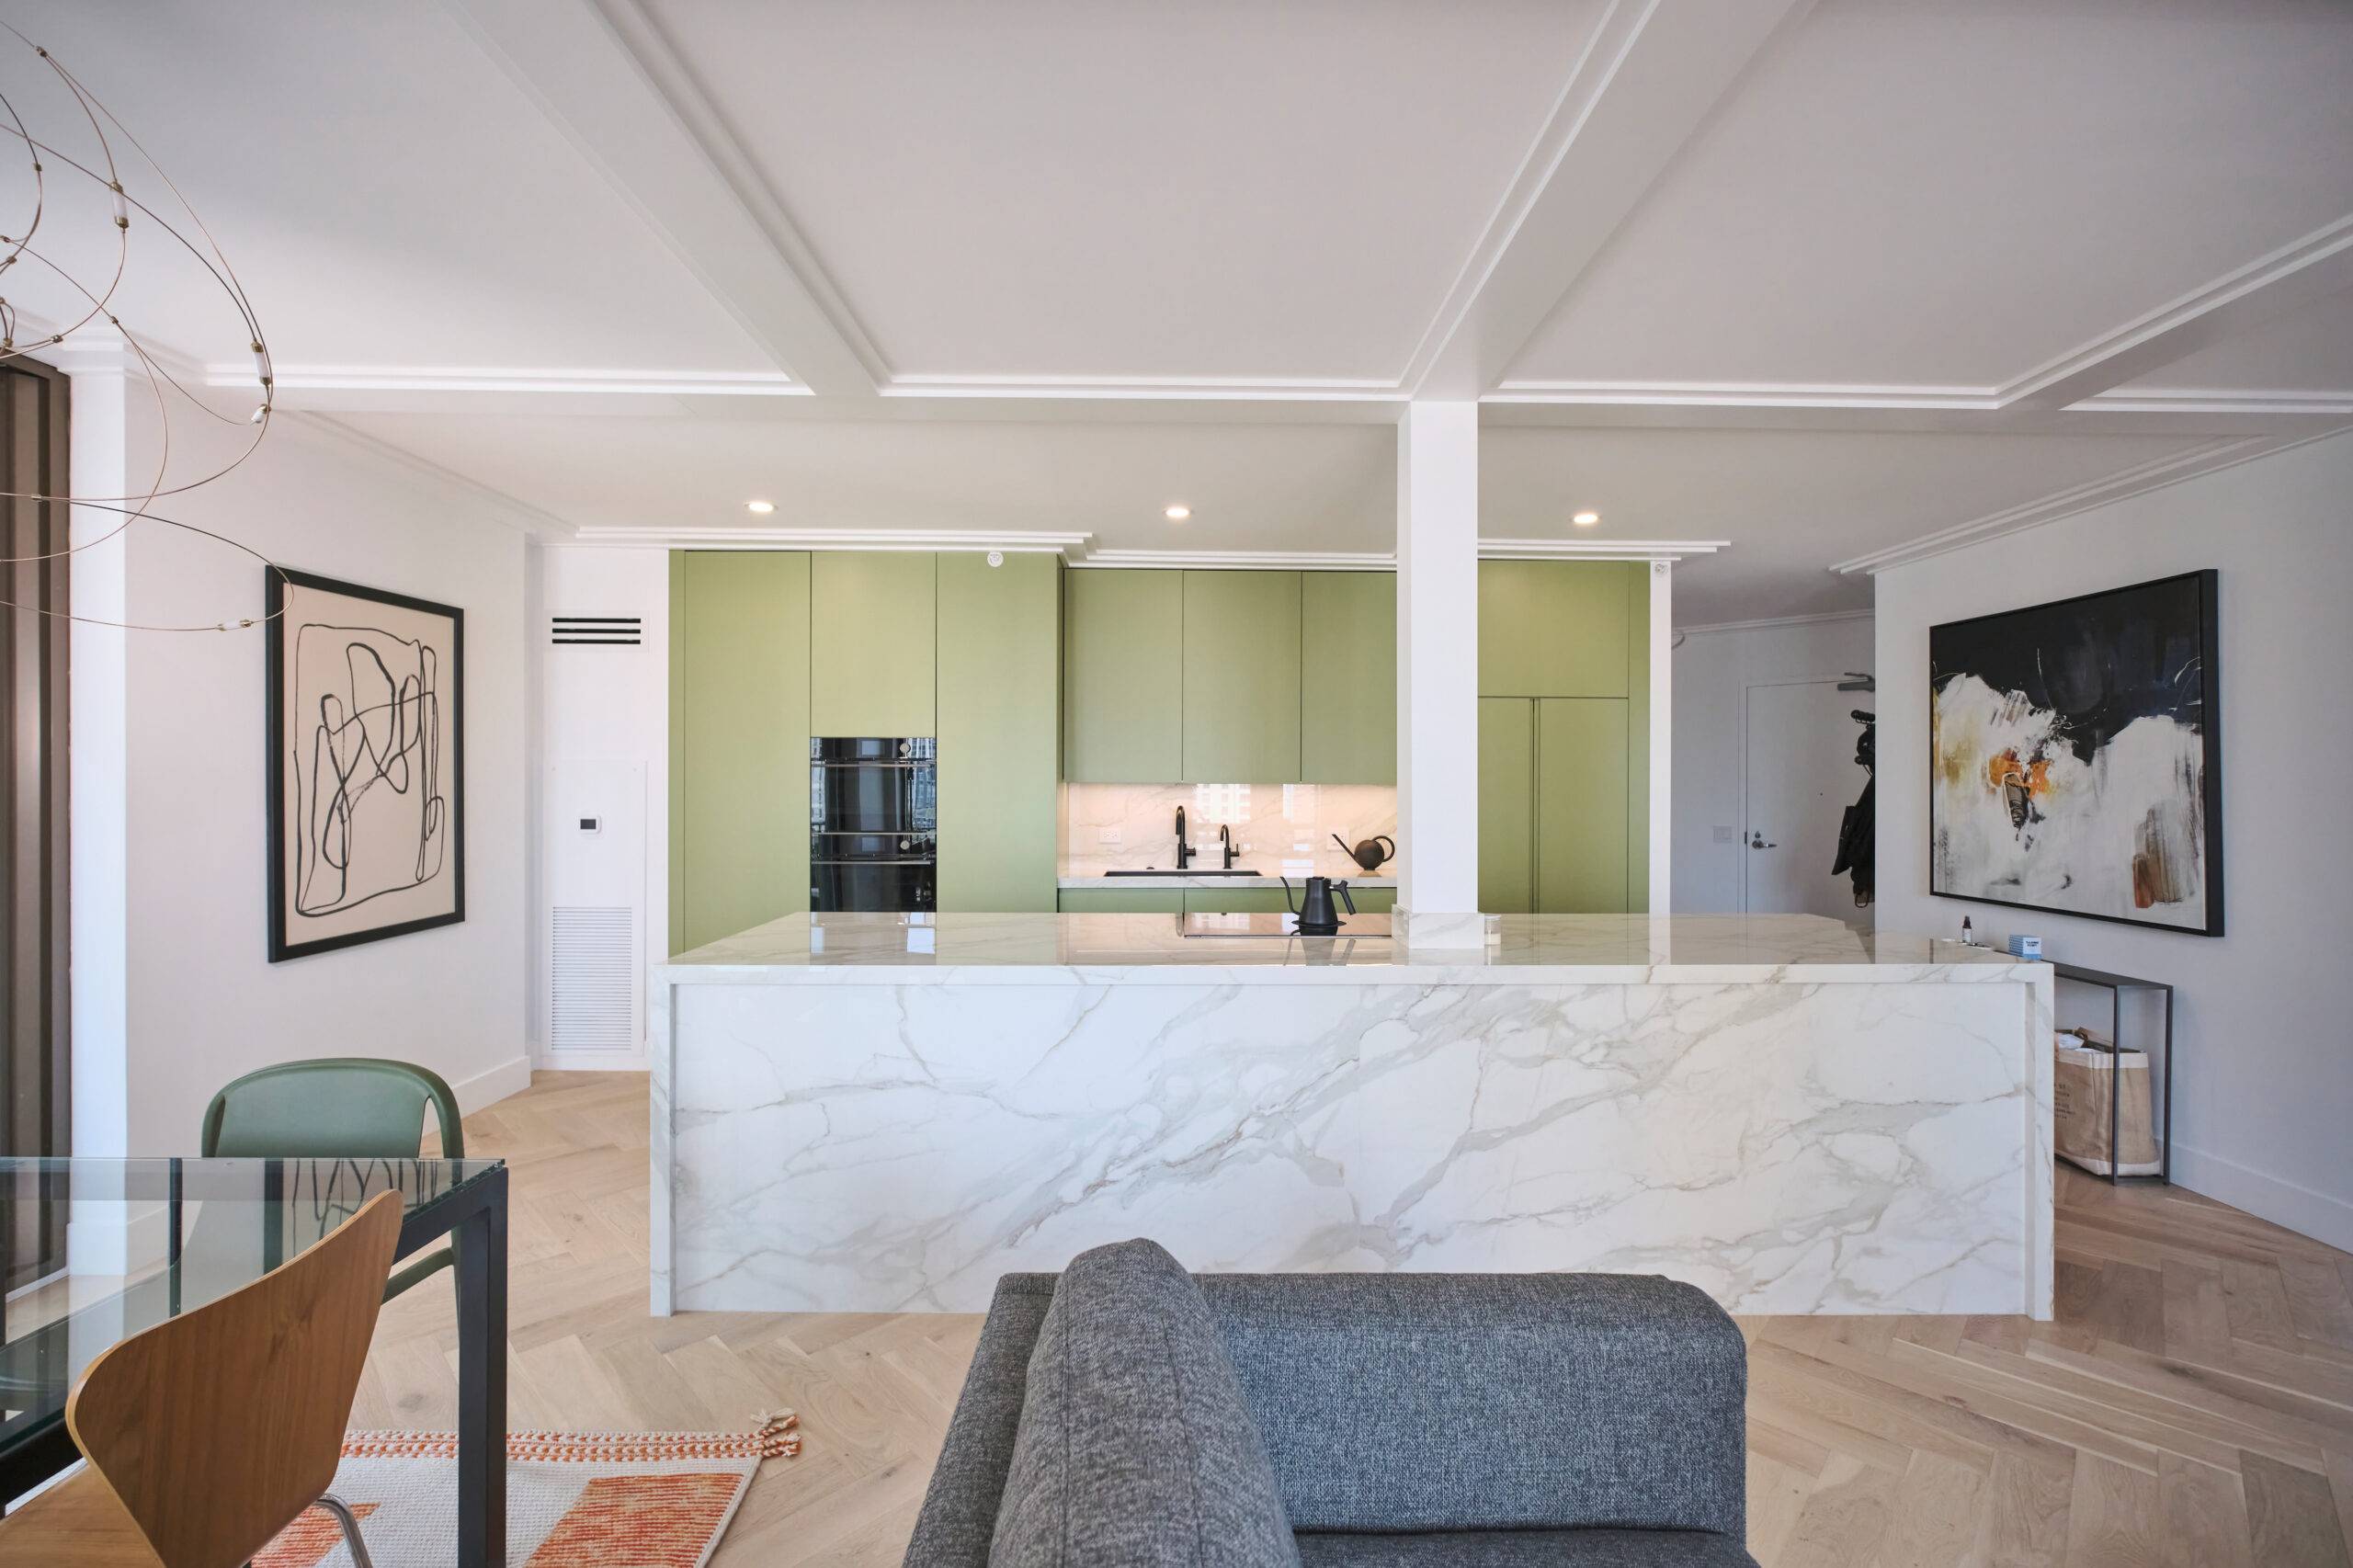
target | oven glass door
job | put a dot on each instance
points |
(882, 886)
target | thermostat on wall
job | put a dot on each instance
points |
(591, 824)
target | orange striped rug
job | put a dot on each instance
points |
(573, 1499)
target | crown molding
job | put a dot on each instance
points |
(520, 515)
(1072, 547)
(2139, 480)
(505, 378)
(1767, 623)
(1244, 560)
(1743, 394)
(1599, 549)
(1215, 389)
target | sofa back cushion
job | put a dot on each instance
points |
(1452, 1401)
(1135, 1446)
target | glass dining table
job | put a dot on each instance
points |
(110, 1247)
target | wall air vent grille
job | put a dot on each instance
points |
(626, 631)
(593, 979)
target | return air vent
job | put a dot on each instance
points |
(593, 979)
(625, 630)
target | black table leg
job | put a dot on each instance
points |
(481, 1243)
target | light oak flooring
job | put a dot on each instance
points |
(2192, 1406)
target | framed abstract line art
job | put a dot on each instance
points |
(366, 764)
(2076, 756)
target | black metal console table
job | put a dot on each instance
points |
(2116, 985)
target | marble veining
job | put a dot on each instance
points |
(1794, 1125)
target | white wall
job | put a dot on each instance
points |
(173, 994)
(1713, 671)
(2265, 1095)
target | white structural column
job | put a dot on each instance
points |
(1438, 673)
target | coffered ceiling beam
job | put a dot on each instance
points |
(2312, 267)
(1650, 76)
(607, 79)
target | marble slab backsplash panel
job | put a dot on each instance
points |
(1280, 829)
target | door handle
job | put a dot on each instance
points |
(1757, 841)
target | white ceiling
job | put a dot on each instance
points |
(1818, 279)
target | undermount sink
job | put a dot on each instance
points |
(1212, 872)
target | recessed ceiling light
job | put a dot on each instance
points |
(759, 508)
(1178, 513)
(1585, 519)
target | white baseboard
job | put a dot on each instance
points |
(511, 1076)
(591, 1062)
(2301, 1210)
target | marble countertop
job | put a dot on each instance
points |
(1152, 949)
(1169, 881)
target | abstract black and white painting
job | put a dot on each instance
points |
(2076, 756)
(366, 764)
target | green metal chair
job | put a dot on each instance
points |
(352, 1108)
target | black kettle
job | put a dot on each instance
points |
(1315, 916)
(1369, 855)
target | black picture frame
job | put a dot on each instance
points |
(276, 581)
(2207, 583)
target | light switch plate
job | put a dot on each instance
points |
(1726, 836)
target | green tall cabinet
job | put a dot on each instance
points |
(1000, 721)
(1123, 647)
(1563, 737)
(1348, 679)
(1241, 699)
(872, 643)
(739, 741)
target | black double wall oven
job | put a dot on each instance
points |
(873, 823)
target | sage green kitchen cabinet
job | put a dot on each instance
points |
(1122, 666)
(1581, 798)
(739, 741)
(1348, 679)
(1122, 901)
(1000, 724)
(1235, 901)
(1557, 628)
(1375, 901)
(871, 644)
(1507, 805)
(1241, 702)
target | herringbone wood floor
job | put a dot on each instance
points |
(2191, 1408)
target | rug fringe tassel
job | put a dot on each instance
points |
(779, 1435)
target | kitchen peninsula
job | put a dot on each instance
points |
(883, 1113)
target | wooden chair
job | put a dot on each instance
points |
(212, 1431)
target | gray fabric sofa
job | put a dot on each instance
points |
(1472, 1421)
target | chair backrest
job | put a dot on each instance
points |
(217, 1428)
(336, 1107)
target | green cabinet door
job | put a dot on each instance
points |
(1122, 665)
(1000, 716)
(1235, 901)
(1349, 678)
(1122, 901)
(1507, 805)
(1581, 827)
(1240, 677)
(1375, 901)
(1555, 628)
(872, 659)
(738, 752)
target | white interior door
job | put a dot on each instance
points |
(1801, 777)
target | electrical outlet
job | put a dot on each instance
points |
(1727, 835)
(1111, 834)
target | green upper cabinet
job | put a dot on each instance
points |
(1556, 628)
(1241, 699)
(1507, 805)
(1123, 642)
(739, 741)
(999, 725)
(871, 642)
(1581, 797)
(1349, 684)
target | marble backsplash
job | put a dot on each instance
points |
(1280, 829)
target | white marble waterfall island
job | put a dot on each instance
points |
(875, 1113)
